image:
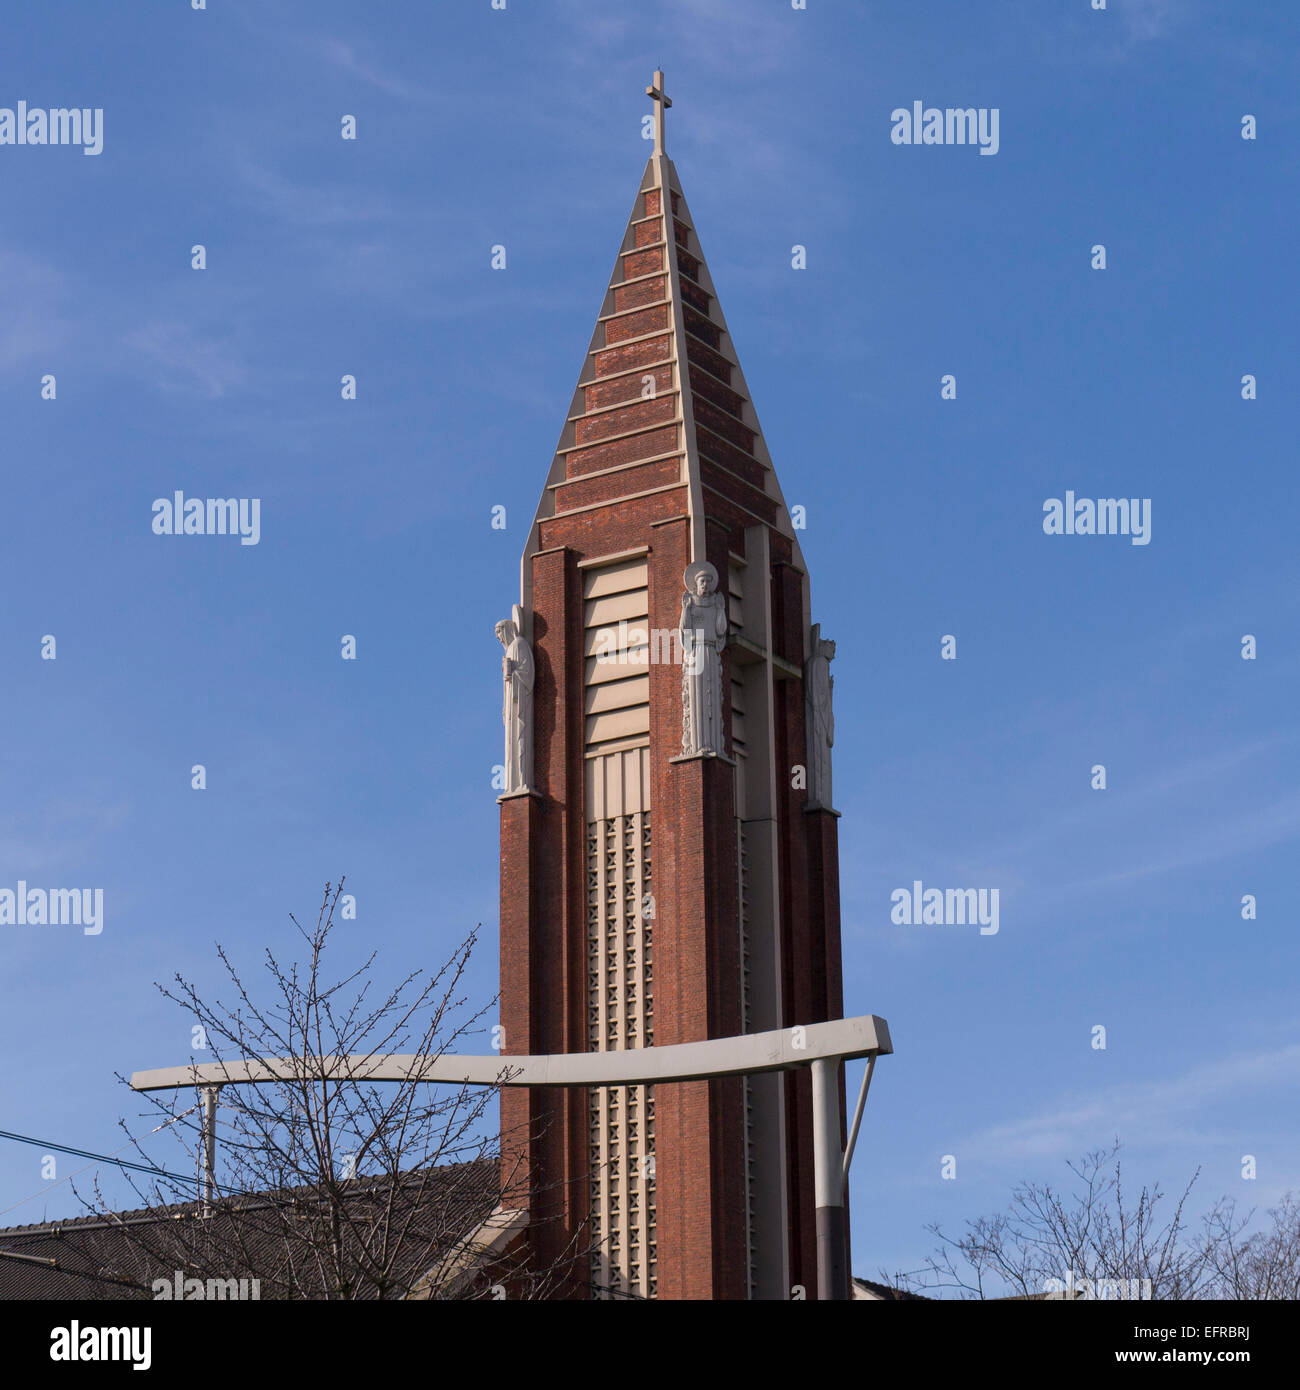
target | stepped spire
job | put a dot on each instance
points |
(661, 403)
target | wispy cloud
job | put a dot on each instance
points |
(270, 28)
(54, 320)
(181, 358)
(55, 837)
(33, 326)
(1142, 1114)
(1152, 19)
(314, 205)
(1227, 837)
(344, 56)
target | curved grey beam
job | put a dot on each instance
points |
(779, 1050)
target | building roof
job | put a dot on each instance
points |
(870, 1291)
(401, 1231)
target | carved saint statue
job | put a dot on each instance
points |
(704, 636)
(819, 686)
(517, 675)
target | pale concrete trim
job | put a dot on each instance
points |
(601, 750)
(638, 309)
(730, 353)
(614, 501)
(782, 1049)
(625, 342)
(645, 246)
(598, 410)
(668, 211)
(668, 361)
(627, 434)
(488, 1239)
(620, 468)
(691, 463)
(619, 555)
(639, 279)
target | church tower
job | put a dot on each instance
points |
(669, 866)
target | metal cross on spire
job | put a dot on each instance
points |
(662, 101)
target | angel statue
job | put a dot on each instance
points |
(704, 635)
(517, 675)
(819, 687)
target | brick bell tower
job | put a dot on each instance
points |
(669, 866)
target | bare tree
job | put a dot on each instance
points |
(1263, 1265)
(1094, 1238)
(338, 1188)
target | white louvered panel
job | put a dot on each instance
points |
(632, 690)
(621, 664)
(615, 579)
(619, 948)
(618, 724)
(617, 644)
(615, 608)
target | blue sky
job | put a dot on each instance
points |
(1119, 908)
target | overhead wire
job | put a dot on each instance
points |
(95, 1157)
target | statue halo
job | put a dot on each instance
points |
(694, 571)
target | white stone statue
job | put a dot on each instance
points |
(819, 687)
(518, 673)
(704, 636)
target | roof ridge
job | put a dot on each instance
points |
(136, 1215)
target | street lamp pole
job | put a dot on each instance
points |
(820, 1046)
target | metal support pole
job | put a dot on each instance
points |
(828, 1181)
(857, 1119)
(208, 1149)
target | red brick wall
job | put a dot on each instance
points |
(607, 487)
(629, 450)
(634, 416)
(699, 1166)
(699, 1126)
(623, 359)
(627, 388)
(638, 294)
